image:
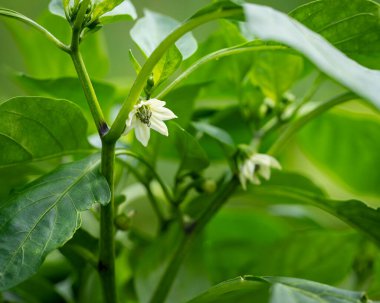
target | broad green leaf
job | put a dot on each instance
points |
(269, 24)
(346, 147)
(350, 25)
(292, 290)
(149, 31)
(124, 11)
(276, 72)
(36, 128)
(69, 88)
(193, 157)
(44, 215)
(167, 65)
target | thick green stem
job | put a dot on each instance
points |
(298, 124)
(106, 265)
(146, 70)
(188, 238)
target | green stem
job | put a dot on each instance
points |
(20, 17)
(146, 70)
(106, 265)
(298, 124)
(215, 56)
(188, 238)
(89, 92)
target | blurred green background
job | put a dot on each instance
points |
(116, 35)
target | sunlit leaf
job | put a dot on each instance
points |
(149, 31)
(167, 65)
(29, 123)
(346, 147)
(56, 7)
(269, 24)
(124, 11)
(350, 25)
(45, 215)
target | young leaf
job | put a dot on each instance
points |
(124, 11)
(167, 65)
(45, 215)
(34, 128)
(149, 31)
(350, 25)
(269, 24)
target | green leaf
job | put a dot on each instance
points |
(242, 290)
(29, 123)
(149, 31)
(286, 189)
(56, 7)
(284, 290)
(276, 72)
(221, 6)
(124, 11)
(218, 134)
(45, 215)
(269, 24)
(167, 65)
(291, 290)
(353, 26)
(346, 147)
(193, 157)
(69, 88)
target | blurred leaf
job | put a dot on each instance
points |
(312, 255)
(103, 6)
(240, 290)
(218, 134)
(124, 11)
(269, 24)
(345, 146)
(43, 59)
(57, 7)
(30, 230)
(29, 123)
(167, 65)
(69, 88)
(220, 6)
(353, 26)
(276, 72)
(353, 212)
(193, 157)
(38, 290)
(291, 290)
(148, 32)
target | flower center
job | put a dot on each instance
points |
(144, 114)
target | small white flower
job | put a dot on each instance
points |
(146, 115)
(256, 165)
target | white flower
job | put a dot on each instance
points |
(146, 115)
(256, 165)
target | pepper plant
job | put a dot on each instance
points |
(118, 192)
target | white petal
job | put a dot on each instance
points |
(243, 181)
(275, 164)
(264, 171)
(158, 126)
(155, 103)
(163, 113)
(142, 132)
(130, 124)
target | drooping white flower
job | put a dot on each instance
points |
(148, 115)
(254, 166)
